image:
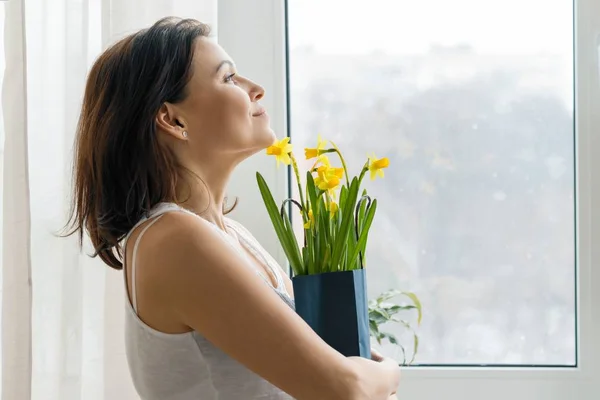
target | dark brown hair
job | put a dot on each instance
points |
(121, 170)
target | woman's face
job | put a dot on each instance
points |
(221, 113)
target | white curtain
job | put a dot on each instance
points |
(62, 312)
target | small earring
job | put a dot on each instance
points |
(184, 134)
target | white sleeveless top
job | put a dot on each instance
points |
(186, 366)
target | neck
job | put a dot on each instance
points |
(202, 191)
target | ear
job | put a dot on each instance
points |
(167, 122)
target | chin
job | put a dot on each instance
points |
(266, 138)
(259, 142)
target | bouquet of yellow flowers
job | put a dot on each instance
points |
(336, 220)
(329, 277)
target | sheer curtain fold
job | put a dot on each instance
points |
(16, 265)
(62, 312)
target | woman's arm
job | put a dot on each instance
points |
(204, 280)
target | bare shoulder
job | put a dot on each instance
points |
(176, 240)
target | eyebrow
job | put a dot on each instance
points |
(223, 63)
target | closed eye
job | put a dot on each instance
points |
(229, 78)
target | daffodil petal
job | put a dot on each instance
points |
(333, 182)
(272, 150)
(323, 159)
(310, 153)
(381, 163)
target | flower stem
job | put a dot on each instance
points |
(304, 205)
(362, 173)
(339, 153)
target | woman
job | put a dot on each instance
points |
(164, 122)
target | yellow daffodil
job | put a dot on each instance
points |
(324, 160)
(327, 183)
(317, 151)
(325, 172)
(321, 159)
(281, 149)
(311, 220)
(328, 179)
(376, 166)
(333, 208)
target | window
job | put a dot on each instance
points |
(261, 54)
(475, 111)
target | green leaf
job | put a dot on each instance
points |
(388, 295)
(343, 196)
(347, 217)
(307, 260)
(403, 354)
(396, 308)
(417, 304)
(327, 258)
(295, 249)
(312, 191)
(405, 323)
(378, 316)
(415, 348)
(415, 339)
(392, 339)
(323, 234)
(349, 262)
(373, 327)
(362, 209)
(286, 238)
(413, 297)
(362, 239)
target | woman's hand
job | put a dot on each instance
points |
(376, 355)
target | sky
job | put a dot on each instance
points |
(412, 26)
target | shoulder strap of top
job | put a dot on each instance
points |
(134, 258)
(154, 215)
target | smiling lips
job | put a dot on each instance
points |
(259, 112)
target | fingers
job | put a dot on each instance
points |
(376, 355)
(394, 368)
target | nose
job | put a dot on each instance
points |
(256, 92)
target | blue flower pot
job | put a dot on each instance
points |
(334, 304)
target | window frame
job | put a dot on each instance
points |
(254, 34)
